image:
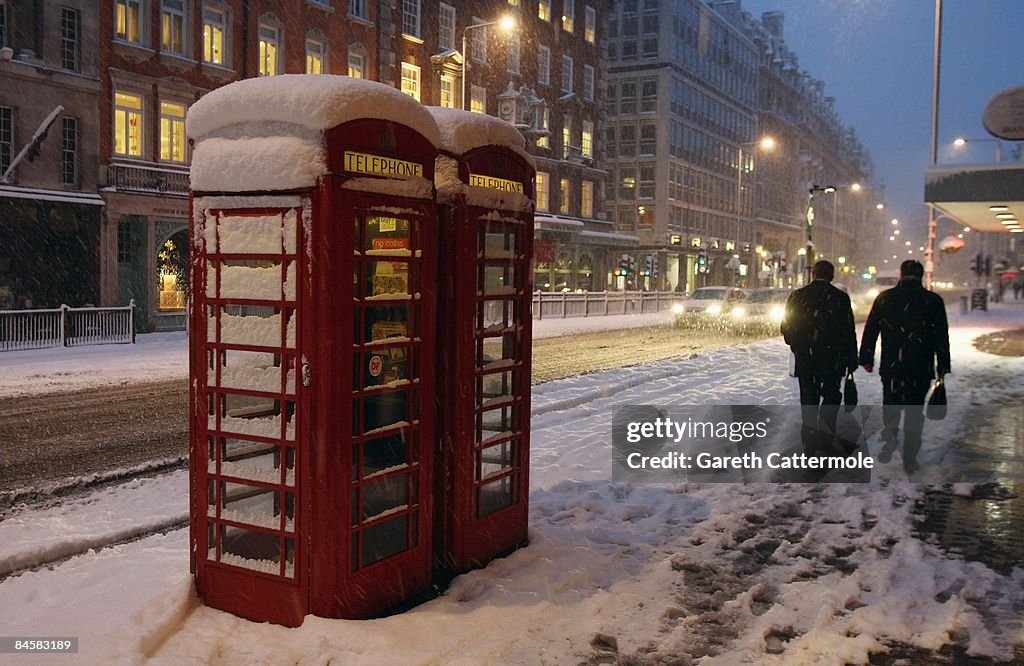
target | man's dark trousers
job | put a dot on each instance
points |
(904, 396)
(820, 398)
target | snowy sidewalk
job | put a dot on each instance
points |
(723, 574)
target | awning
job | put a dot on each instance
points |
(975, 194)
(63, 196)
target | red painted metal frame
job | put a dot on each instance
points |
(468, 540)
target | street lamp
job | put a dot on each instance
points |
(766, 144)
(960, 142)
(507, 23)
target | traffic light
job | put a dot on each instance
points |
(624, 262)
(649, 268)
(702, 260)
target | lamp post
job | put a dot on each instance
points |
(507, 23)
(809, 253)
(960, 142)
(929, 254)
(767, 144)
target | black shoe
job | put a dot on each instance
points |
(885, 455)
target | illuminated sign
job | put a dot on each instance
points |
(377, 165)
(675, 239)
(492, 183)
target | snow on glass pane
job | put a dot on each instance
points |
(254, 551)
(258, 326)
(494, 459)
(257, 234)
(269, 427)
(253, 505)
(256, 371)
(256, 461)
(253, 279)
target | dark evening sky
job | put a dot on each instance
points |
(875, 57)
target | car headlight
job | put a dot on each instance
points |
(872, 292)
(715, 309)
(778, 313)
(677, 308)
(739, 312)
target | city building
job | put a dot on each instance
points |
(49, 210)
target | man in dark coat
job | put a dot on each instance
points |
(915, 345)
(818, 327)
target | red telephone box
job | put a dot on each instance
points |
(312, 347)
(485, 272)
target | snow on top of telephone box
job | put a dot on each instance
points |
(462, 131)
(267, 133)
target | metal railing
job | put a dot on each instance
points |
(151, 179)
(564, 304)
(66, 327)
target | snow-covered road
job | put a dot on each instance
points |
(720, 574)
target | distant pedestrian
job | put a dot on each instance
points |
(818, 327)
(1018, 286)
(915, 347)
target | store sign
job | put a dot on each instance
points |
(492, 183)
(377, 165)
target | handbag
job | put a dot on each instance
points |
(850, 392)
(936, 409)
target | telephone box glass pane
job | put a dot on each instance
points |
(498, 241)
(499, 280)
(381, 496)
(386, 365)
(381, 411)
(383, 453)
(385, 539)
(387, 236)
(386, 280)
(254, 371)
(497, 385)
(495, 495)
(497, 352)
(257, 279)
(496, 421)
(252, 550)
(255, 461)
(256, 325)
(495, 459)
(242, 503)
(387, 322)
(255, 416)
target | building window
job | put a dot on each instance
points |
(6, 136)
(478, 99)
(566, 73)
(172, 26)
(544, 140)
(648, 138)
(411, 80)
(411, 18)
(513, 53)
(587, 139)
(314, 56)
(627, 139)
(563, 196)
(357, 9)
(69, 151)
(70, 35)
(646, 181)
(356, 65)
(590, 24)
(124, 241)
(544, 10)
(127, 125)
(588, 83)
(172, 132)
(446, 27)
(568, 14)
(587, 199)
(649, 96)
(627, 182)
(214, 29)
(128, 20)
(566, 136)
(3, 24)
(270, 46)
(542, 190)
(448, 91)
(543, 65)
(479, 44)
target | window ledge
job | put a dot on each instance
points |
(323, 6)
(132, 51)
(360, 19)
(176, 61)
(219, 72)
(412, 38)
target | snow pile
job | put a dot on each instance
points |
(266, 133)
(462, 131)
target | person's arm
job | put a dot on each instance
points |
(870, 336)
(849, 335)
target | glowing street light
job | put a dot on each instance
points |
(506, 23)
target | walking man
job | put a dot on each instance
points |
(818, 327)
(915, 345)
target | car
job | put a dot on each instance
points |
(761, 312)
(708, 306)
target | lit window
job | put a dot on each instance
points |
(588, 83)
(544, 140)
(568, 14)
(270, 45)
(411, 80)
(356, 65)
(6, 136)
(172, 26)
(587, 199)
(70, 35)
(448, 91)
(214, 28)
(563, 205)
(446, 27)
(544, 9)
(172, 132)
(542, 190)
(314, 56)
(543, 65)
(128, 20)
(566, 136)
(127, 125)
(411, 18)
(590, 24)
(566, 73)
(69, 151)
(478, 99)
(587, 139)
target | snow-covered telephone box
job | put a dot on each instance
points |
(312, 353)
(485, 183)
